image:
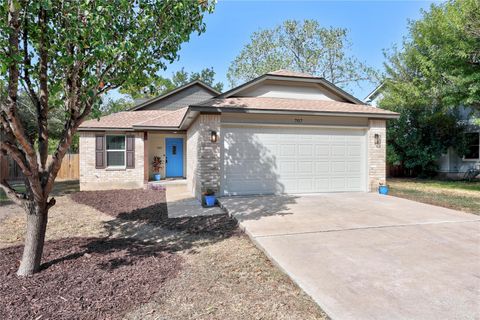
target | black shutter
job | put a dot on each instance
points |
(100, 152)
(130, 152)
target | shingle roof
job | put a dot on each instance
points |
(289, 73)
(171, 119)
(129, 119)
(284, 104)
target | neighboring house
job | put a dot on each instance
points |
(283, 132)
(450, 164)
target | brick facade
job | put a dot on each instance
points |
(376, 154)
(203, 156)
(104, 179)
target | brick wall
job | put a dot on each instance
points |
(376, 154)
(105, 179)
(203, 156)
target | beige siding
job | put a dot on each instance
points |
(294, 119)
(191, 95)
(376, 154)
(104, 179)
(290, 89)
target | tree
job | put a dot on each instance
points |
(115, 105)
(305, 47)
(66, 55)
(160, 85)
(429, 80)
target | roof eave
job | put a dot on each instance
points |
(154, 128)
(105, 129)
(296, 112)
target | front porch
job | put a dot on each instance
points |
(170, 148)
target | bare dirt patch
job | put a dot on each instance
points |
(66, 219)
(232, 280)
(85, 278)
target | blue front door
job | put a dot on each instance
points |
(174, 154)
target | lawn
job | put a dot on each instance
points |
(60, 188)
(117, 255)
(458, 195)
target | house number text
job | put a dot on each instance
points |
(298, 120)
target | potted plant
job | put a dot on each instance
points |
(210, 198)
(383, 188)
(157, 165)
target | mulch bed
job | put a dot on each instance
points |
(119, 203)
(85, 278)
(143, 205)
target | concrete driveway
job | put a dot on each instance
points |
(367, 256)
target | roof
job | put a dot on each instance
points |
(170, 93)
(142, 118)
(303, 105)
(294, 76)
(372, 95)
(171, 119)
(289, 73)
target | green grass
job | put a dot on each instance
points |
(448, 184)
(459, 195)
(60, 188)
(19, 187)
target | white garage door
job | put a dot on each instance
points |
(292, 160)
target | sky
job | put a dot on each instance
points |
(373, 26)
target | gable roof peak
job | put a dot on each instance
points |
(175, 91)
(290, 73)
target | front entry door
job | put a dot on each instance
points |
(174, 155)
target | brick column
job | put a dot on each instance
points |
(203, 155)
(209, 153)
(376, 154)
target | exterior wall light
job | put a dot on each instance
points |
(378, 140)
(213, 136)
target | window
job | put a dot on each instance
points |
(473, 142)
(115, 151)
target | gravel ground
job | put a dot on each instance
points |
(116, 254)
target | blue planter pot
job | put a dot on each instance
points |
(210, 201)
(383, 190)
(157, 176)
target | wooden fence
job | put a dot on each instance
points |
(70, 169)
(398, 171)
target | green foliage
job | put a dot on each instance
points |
(300, 46)
(113, 106)
(429, 80)
(159, 85)
(105, 44)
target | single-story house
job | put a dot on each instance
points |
(450, 164)
(283, 132)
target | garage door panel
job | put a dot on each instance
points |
(292, 160)
(305, 150)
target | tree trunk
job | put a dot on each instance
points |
(37, 217)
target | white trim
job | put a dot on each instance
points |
(249, 124)
(114, 168)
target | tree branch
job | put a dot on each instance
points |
(43, 105)
(12, 194)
